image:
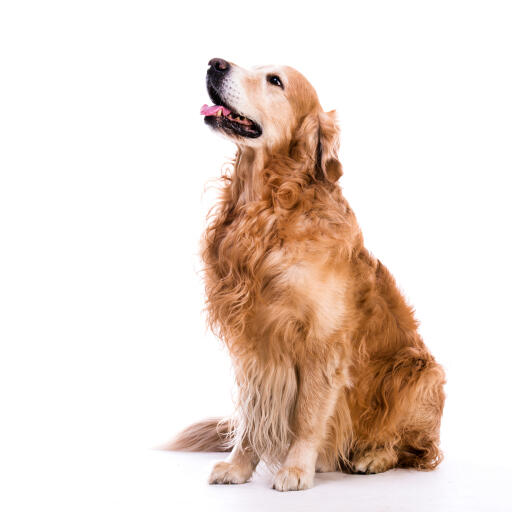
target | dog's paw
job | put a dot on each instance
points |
(325, 466)
(376, 461)
(293, 479)
(229, 473)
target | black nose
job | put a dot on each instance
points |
(219, 65)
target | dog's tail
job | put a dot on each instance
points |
(210, 435)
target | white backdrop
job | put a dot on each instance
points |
(104, 160)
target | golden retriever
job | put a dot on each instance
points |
(330, 369)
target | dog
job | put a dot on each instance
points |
(330, 369)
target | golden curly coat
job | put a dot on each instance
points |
(331, 371)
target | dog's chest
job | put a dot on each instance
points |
(289, 286)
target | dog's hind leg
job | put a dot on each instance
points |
(375, 461)
(400, 425)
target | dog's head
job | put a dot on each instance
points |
(272, 107)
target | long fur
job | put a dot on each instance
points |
(209, 435)
(315, 325)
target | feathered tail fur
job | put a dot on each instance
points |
(209, 435)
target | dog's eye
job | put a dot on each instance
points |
(275, 80)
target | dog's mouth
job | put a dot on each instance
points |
(224, 117)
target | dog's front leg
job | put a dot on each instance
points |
(318, 391)
(237, 469)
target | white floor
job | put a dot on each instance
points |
(177, 481)
(100, 480)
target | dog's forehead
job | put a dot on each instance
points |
(269, 68)
(284, 72)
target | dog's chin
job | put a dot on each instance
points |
(234, 128)
(234, 124)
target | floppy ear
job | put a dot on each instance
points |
(327, 164)
(318, 136)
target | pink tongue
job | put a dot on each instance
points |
(211, 111)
